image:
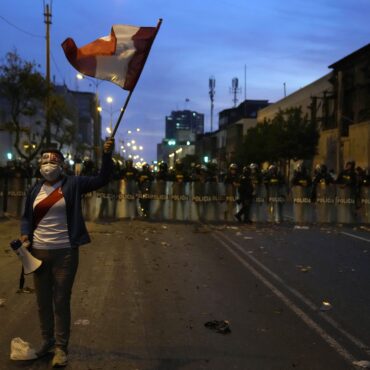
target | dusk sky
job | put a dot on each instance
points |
(291, 41)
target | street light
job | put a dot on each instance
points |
(92, 81)
(110, 101)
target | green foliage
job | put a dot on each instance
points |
(26, 91)
(22, 85)
(289, 135)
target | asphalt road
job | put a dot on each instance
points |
(145, 290)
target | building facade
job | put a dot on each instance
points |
(83, 122)
(339, 104)
(222, 145)
(182, 128)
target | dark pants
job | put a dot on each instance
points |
(53, 285)
(245, 209)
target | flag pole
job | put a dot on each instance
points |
(131, 91)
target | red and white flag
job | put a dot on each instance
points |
(118, 57)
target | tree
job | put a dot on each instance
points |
(289, 135)
(25, 91)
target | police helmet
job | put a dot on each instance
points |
(253, 166)
(233, 166)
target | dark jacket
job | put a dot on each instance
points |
(73, 187)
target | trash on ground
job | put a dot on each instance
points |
(82, 322)
(363, 364)
(21, 350)
(165, 244)
(164, 227)
(232, 227)
(26, 290)
(300, 227)
(2, 302)
(304, 268)
(146, 239)
(248, 237)
(222, 327)
(326, 306)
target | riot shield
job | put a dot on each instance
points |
(302, 207)
(325, 203)
(127, 203)
(180, 201)
(90, 206)
(258, 212)
(346, 204)
(160, 205)
(276, 200)
(212, 204)
(364, 204)
(231, 196)
(197, 201)
(16, 196)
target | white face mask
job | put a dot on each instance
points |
(50, 171)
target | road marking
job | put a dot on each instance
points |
(355, 236)
(309, 303)
(300, 313)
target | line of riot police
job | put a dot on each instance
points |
(246, 194)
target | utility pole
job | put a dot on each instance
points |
(212, 92)
(235, 90)
(47, 21)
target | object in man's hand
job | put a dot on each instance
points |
(30, 263)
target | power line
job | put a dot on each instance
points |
(20, 29)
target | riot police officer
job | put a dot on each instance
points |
(245, 191)
(179, 178)
(348, 176)
(232, 175)
(301, 176)
(323, 177)
(129, 173)
(231, 182)
(144, 180)
(162, 174)
(274, 183)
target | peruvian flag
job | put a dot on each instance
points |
(118, 57)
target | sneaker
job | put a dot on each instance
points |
(46, 347)
(60, 358)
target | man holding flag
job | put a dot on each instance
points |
(53, 224)
(52, 221)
